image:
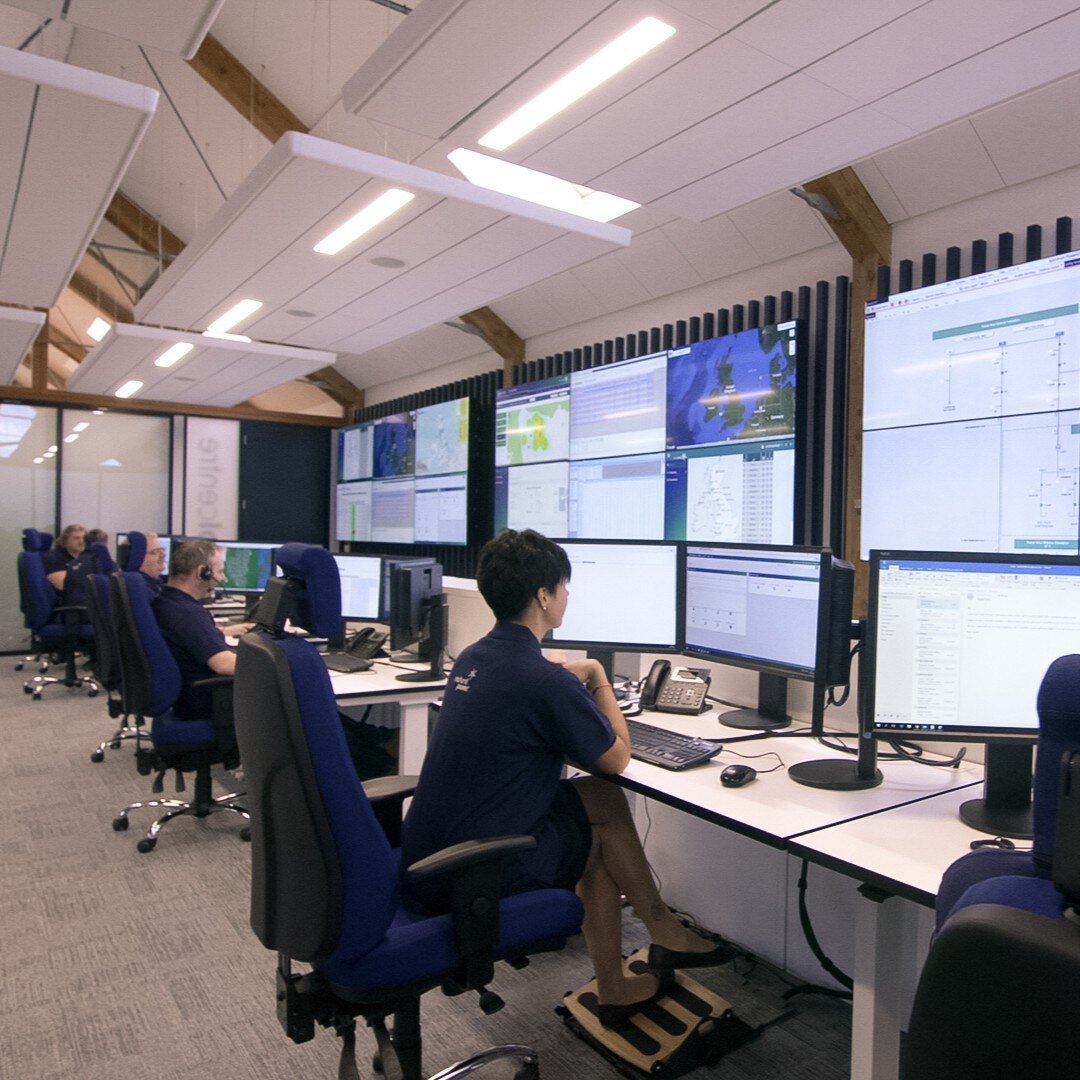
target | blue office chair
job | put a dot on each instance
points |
(60, 630)
(325, 880)
(131, 553)
(32, 540)
(151, 681)
(104, 559)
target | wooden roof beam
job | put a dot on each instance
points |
(111, 308)
(338, 388)
(499, 337)
(146, 231)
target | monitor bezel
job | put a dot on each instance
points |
(550, 641)
(235, 590)
(869, 657)
(814, 675)
(377, 617)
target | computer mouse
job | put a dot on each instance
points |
(737, 775)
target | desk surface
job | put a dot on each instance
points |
(382, 680)
(774, 808)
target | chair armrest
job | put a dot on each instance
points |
(467, 854)
(386, 795)
(63, 609)
(221, 697)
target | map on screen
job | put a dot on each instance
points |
(532, 423)
(395, 444)
(442, 438)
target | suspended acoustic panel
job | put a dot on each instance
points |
(18, 328)
(174, 26)
(68, 136)
(216, 371)
(745, 99)
(449, 249)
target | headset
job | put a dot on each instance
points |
(206, 574)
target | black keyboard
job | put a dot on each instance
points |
(343, 661)
(667, 749)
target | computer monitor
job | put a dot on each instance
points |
(388, 565)
(784, 612)
(623, 597)
(361, 587)
(418, 615)
(247, 566)
(441, 498)
(957, 646)
(971, 413)
(356, 452)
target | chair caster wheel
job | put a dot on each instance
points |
(27, 688)
(92, 692)
(114, 745)
(120, 824)
(36, 695)
(18, 666)
(245, 834)
(147, 843)
(97, 755)
(529, 1070)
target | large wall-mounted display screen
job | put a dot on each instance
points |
(971, 414)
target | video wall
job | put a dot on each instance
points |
(404, 479)
(696, 443)
(971, 413)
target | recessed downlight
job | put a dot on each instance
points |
(387, 262)
(299, 313)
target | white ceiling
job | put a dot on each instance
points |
(18, 328)
(933, 65)
(215, 372)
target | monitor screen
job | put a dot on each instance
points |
(393, 504)
(533, 497)
(353, 511)
(247, 566)
(356, 452)
(971, 413)
(361, 581)
(394, 445)
(619, 409)
(617, 498)
(166, 546)
(621, 595)
(959, 642)
(440, 508)
(756, 607)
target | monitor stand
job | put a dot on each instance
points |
(434, 643)
(771, 712)
(1005, 808)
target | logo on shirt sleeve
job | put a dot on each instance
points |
(461, 682)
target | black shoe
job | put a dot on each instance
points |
(661, 959)
(611, 1015)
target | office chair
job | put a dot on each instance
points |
(58, 629)
(106, 666)
(32, 540)
(131, 553)
(104, 559)
(151, 681)
(325, 888)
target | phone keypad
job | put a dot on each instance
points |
(674, 695)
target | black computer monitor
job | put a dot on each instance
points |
(957, 645)
(623, 597)
(388, 565)
(418, 615)
(784, 612)
(361, 587)
(247, 566)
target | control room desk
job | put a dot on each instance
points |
(380, 686)
(896, 838)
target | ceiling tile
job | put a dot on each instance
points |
(18, 329)
(877, 186)
(714, 248)
(610, 284)
(720, 16)
(780, 225)
(526, 312)
(658, 264)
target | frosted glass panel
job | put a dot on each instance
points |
(27, 499)
(115, 473)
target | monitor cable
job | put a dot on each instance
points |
(830, 697)
(841, 977)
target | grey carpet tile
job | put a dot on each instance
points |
(124, 966)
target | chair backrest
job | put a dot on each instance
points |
(36, 540)
(104, 559)
(36, 596)
(106, 662)
(320, 607)
(148, 671)
(1058, 706)
(132, 552)
(324, 882)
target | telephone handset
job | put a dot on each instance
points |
(366, 643)
(680, 691)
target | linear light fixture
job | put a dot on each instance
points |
(132, 386)
(82, 426)
(640, 39)
(378, 210)
(52, 449)
(233, 317)
(98, 329)
(38, 460)
(543, 188)
(73, 437)
(173, 354)
(227, 337)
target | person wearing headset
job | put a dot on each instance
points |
(198, 645)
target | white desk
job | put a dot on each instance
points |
(379, 685)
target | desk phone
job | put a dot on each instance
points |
(681, 690)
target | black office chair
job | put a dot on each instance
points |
(32, 540)
(151, 682)
(325, 888)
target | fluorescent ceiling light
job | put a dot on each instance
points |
(38, 460)
(98, 412)
(98, 329)
(227, 337)
(81, 427)
(174, 353)
(233, 317)
(498, 175)
(72, 438)
(389, 202)
(49, 453)
(52, 449)
(132, 386)
(574, 85)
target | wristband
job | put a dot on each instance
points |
(596, 689)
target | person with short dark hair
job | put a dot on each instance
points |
(510, 718)
(97, 536)
(68, 562)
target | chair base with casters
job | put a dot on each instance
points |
(202, 805)
(63, 648)
(121, 735)
(40, 659)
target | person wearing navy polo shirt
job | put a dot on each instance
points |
(153, 565)
(509, 719)
(68, 562)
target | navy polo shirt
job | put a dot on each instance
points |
(509, 720)
(77, 567)
(154, 586)
(189, 631)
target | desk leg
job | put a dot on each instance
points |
(889, 945)
(412, 737)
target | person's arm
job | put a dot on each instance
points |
(56, 579)
(615, 759)
(223, 663)
(237, 629)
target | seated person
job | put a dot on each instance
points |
(153, 565)
(197, 644)
(68, 562)
(97, 536)
(97, 541)
(509, 720)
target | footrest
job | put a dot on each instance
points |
(689, 1027)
